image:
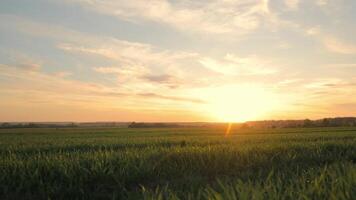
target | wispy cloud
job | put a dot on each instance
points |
(238, 17)
(45, 30)
(322, 2)
(39, 83)
(23, 61)
(288, 82)
(126, 52)
(337, 45)
(173, 98)
(332, 43)
(29, 66)
(325, 83)
(166, 79)
(63, 74)
(133, 61)
(233, 65)
(292, 4)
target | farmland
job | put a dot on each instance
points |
(178, 163)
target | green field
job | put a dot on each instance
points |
(178, 163)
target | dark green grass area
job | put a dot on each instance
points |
(178, 163)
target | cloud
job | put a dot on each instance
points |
(63, 74)
(108, 47)
(330, 90)
(159, 78)
(232, 65)
(337, 45)
(113, 49)
(288, 82)
(130, 75)
(330, 42)
(137, 64)
(217, 17)
(343, 66)
(313, 31)
(55, 32)
(55, 88)
(144, 66)
(41, 81)
(37, 96)
(23, 61)
(322, 2)
(292, 4)
(139, 75)
(28, 66)
(325, 83)
(134, 62)
(122, 71)
(125, 51)
(129, 61)
(166, 79)
(150, 96)
(173, 98)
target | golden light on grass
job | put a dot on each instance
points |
(228, 129)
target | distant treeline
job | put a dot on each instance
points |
(153, 125)
(36, 125)
(326, 122)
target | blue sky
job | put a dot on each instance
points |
(227, 60)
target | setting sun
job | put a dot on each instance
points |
(236, 103)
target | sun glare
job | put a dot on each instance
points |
(239, 103)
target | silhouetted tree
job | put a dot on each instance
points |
(308, 123)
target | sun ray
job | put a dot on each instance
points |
(228, 129)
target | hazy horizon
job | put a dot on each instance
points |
(176, 61)
(188, 122)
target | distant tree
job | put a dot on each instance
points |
(72, 125)
(244, 125)
(325, 122)
(137, 125)
(307, 123)
(132, 125)
(32, 125)
(5, 125)
(152, 125)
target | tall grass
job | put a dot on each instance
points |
(180, 163)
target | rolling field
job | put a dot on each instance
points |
(177, 163)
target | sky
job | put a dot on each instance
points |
(177, 61)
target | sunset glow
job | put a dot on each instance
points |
(239, 103)
(226, 61)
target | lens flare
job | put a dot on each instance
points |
(228, 129)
